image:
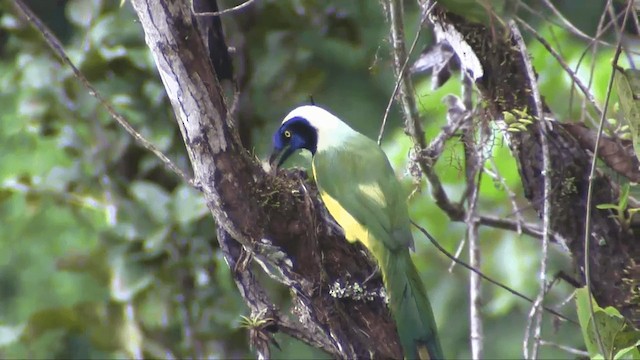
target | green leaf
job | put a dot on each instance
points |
(630, 352)
(609, 327)
(584, 318)
(628, 85)
(10, 334)
(131, 337)
(188, 205)
(615, 332)
(37, 72)
(153, 198)
(81, 12)
(59, 177)
(154, 244)
(128, 276)
(72, 318)
(92, 262)
(607, 207)
(103, 37)
(624, 197)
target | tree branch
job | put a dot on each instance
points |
(614, 252)
(278, 219)
(532, 83)
(473, 163)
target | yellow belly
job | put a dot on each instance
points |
(353, 230)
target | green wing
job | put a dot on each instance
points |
(360, 179)
(367, 189)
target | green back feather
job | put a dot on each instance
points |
(342, 173)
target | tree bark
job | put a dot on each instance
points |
(277, 219)
(614, 251)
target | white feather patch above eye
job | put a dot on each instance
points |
(373, 192)
(332, 132)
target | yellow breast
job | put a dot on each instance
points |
(353, 230)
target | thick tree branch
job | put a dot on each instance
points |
(614, 252)
(277, 219)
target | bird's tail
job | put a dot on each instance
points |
(410, 307)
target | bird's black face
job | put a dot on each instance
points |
(296, 133)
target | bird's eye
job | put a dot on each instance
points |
(287, 134)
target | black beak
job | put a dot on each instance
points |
(275, 154)
(278, 156)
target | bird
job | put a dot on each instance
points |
(359, 188)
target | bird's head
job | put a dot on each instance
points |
(306, 127)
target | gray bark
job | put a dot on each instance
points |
(278, 220)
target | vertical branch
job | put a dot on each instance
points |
(536, 310)
(472, 167)
(476, 333)
(406, 91)
(399, 81)
(594, 50)
(592, 172)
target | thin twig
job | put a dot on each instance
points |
(566, 348)
(495, 175)
(473, 163)
(563, 64)
(223, 12)
(400, 77)
(592, 173)
(636, 22)
(406, 90)
(601, 28)
(594, 51)
(407, 101)
(619, 29)
(546, 212)
(430, 156)
(487, 278)
(427, 158)
(457, 116)
(568, 25)
(513, 225)
(476, 331)
(567, 299)
(457, 254)
(55, 45)
(594, 45)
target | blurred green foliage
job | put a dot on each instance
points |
(618, 338)
(104, 254)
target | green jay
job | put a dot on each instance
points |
(361, 192)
